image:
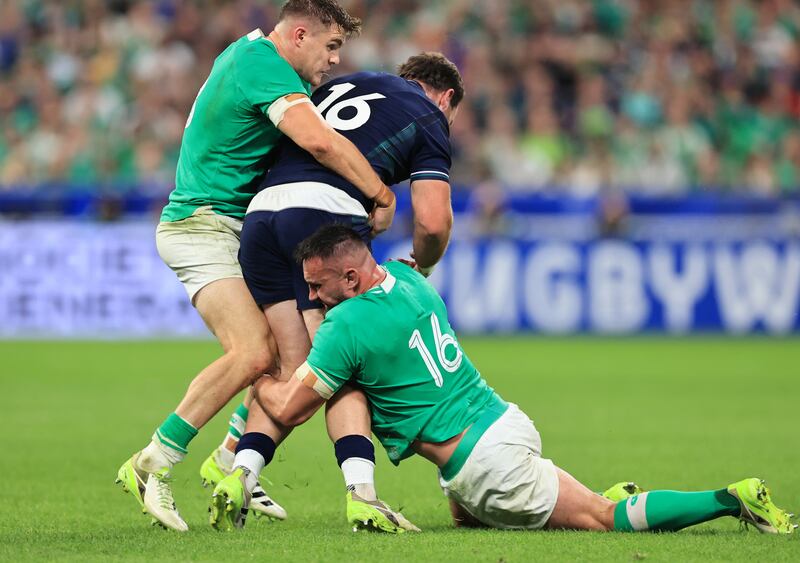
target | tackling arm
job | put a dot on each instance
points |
(433, 221)
(305, 126)
(292, 402)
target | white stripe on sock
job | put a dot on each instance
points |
(636, 508)
(238, 423)
(172, 455)
(166, 442)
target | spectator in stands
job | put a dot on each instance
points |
(655, 97)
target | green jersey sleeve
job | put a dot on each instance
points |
(333, 357)
(263, 77)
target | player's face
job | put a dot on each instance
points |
(320, 51)
(326, 282)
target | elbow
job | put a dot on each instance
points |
(276, 411)
(321, 149)
(435, 228)
(287, 418)
(282, 416)
(278, 405)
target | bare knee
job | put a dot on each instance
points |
(258, 362)
(252, 361)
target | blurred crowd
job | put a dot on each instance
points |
(571, 96)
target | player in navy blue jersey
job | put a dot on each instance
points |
(390, 119)
(401, 123)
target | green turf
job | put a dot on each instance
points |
(669, 413)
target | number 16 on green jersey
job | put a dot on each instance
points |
(440, 344)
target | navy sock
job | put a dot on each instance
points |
(354, 445)
(259, 442)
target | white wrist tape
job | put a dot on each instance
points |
(278, 108)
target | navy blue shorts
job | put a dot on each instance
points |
(266, 253)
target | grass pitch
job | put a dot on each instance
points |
(668, 413)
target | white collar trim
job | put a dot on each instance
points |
(387, 284)
(256, 34)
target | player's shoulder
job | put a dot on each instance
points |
(345, 316)
(408, 100)
(403, 271)
(406, 91)
(370, 77)
(401, 282)
(349, 321)
(257, 44)
(410, 285)
(363, 307)
(256, 54)
(258, 64)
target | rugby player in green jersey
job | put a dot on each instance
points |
(387, 331)
(257, 91)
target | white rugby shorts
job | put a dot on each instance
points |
(505, 483)
(201, 248)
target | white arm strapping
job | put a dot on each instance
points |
(304, 371)
(278, 108)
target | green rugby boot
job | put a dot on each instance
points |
(758, 508)
(214, 470)
(132, 480)
(230, 502)
(622, 491)
(376, 516)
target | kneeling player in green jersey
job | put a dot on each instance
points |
(257, 92)
(387, 331)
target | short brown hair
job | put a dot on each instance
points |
(327, 12)
(328, 241)
(435, 70)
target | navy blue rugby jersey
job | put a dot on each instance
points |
(399, 130)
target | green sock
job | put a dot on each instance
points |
(673, 510)
(175, 433)
(237, 422)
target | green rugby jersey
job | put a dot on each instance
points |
(395, 342)
(228, 135)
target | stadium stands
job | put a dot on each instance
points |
(567, 96)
